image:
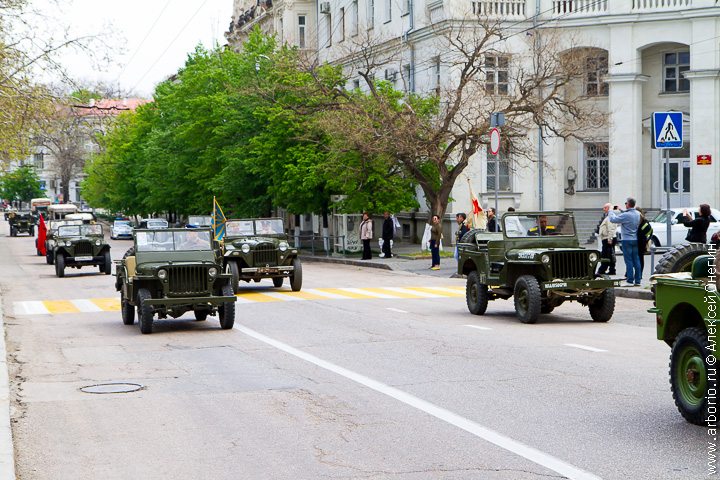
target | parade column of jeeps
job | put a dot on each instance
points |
(170, 272)
(537, 260)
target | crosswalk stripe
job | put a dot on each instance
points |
(112, 304)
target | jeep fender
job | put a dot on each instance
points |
(682, 316)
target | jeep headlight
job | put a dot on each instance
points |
(212, 271)
(545, 258)
(283, 246)
(162, 274)
(245, 248)
(593, 257)
(98, 242)
(68, 243)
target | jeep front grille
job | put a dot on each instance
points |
(187, 280)
(265, 254)
(570, 265)
(83, 248)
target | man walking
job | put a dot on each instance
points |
(607, 232)
(629, 221)
(388, 231)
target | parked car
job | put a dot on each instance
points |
(121, 229)
(170, 272)
(679, 231)
(537, 260)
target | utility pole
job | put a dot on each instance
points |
(541, 141)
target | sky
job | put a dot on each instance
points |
(150, 39)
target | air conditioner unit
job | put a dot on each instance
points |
(390, 74)
(324, 7)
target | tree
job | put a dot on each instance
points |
(21, 184)
(431, 139)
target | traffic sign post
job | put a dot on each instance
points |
(667, 129)
(495, 150)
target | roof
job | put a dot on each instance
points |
(108, 106)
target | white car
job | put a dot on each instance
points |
(680, 231)
(121, 229)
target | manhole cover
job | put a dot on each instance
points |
(112, 388)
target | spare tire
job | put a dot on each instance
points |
(469, 237)
(680, 258)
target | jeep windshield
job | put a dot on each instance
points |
(169, 241)
(538, 225)
(79, 230)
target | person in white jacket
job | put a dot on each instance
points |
(366, 234)
(608, 238)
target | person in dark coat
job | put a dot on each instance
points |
(644, 235)
(388, 231)
(492, 221)
(699, 226)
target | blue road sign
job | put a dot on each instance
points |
(667, 129)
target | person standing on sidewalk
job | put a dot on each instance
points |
(699, 226)
(435, 237)
(492, 221)
(607, 232)
(388, 232)
(462, 230)
(629, 221)
(366, 234)
(645, 233)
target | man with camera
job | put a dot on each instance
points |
(629, 221)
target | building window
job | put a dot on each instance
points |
(342, 24)
(388, 10)
(504, 185)
(496, 74)
(371, 14)
(597, 175)
(405, 7)
(356, 84)
(328, 27)
(301, 31)
(406, 78)
(39, 161)
(674, 65)
(437, 75)
(354, 18)
(596, 67)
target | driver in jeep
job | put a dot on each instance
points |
(542, 228)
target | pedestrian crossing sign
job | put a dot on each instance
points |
(667, 129)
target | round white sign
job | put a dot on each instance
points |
(494, 141)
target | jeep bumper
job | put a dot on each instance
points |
(85, 260)
(577, 285)
(275, 270)
(214, 300)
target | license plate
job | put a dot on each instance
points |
(83, 259)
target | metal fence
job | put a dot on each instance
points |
(317, 244)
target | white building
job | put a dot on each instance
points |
(294, 22)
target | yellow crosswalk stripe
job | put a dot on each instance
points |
(256, 297)
(301, 294)
(107, 304)
(345, 293)
(60, 306)
(445, 291)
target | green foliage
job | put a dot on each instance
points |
(21, 184)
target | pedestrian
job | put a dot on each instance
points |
(388, 232)
(492, 222)
(699, 226)
(644, 235)
(460, 218)
(366, 234)
(629, 221)
(435, 237)
(607, 231)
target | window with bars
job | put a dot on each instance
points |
(496, 74)
(371, 13)
(674, 65)
(39, 161)
(301, 31)
(504, 178)
(596, 67)
(597, 175)
(342, 24)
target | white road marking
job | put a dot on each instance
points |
(448, 290)
(320, 293)
(280, 296)
(548, 461)
(478, 327)
(86, 306)
(418, 293)
(368, 293)
(396, 310)
(584, 347)
(31, 308)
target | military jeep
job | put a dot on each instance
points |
(80, 246)
(258, 248)
(686, 311)
(21, 222)
(537, 259)
(170, 272)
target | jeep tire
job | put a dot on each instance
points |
(688, 374)
(49, 257)
(13, 232)
(680, 258)
(235, 271)
(226, 312)
(296, 276)
(476, 294)
(528, 298)
(127, 310)
(601, 310)
(106, 266)
(145, 311)
(60, 265)
(277, 281)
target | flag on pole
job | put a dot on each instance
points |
(42, 235)
(479, 220)
(218, 221)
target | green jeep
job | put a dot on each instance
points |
(257, 249)
(80, 246)
(21, 222)
(52, 228)
(537, 259)
(170, 272)
(686, 311)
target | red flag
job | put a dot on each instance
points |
(42, 231)
(476, 206)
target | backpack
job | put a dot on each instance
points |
(644, 235)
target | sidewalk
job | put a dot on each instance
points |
(405, 259)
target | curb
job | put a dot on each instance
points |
(637, 293)
(343, 261)
(7, 457)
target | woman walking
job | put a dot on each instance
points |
(435, 237)
(366, 234)
(699, 226)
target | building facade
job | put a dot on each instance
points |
(294, 22)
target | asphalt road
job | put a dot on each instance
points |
(324, 385)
